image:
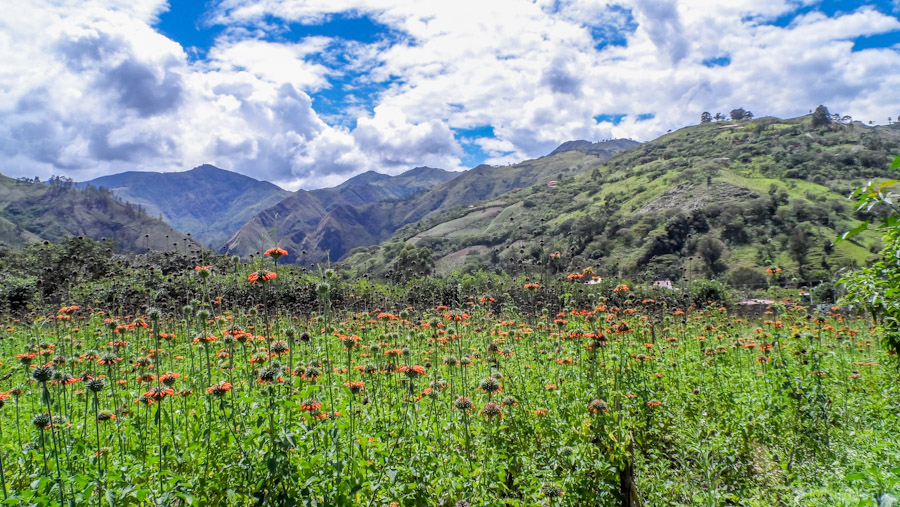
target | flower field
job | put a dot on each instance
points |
(476, 404)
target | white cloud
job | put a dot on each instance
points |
(273, 62)
(88, 88)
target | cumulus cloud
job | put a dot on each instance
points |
(90, 87)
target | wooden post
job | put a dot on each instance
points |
(627, 486)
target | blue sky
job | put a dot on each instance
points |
(308, 93)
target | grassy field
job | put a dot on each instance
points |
(447, 406)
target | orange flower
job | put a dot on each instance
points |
(275, 253)
(355, 387)
(262, 275)
(219, 389)
(597, 406)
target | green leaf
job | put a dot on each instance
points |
(890, 222)
(856, 476)
(853, 232)
(896, 163)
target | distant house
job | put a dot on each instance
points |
(666, 284)
(748, 302)
(551, 183)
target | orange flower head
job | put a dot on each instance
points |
(219, 389)
(261, 276)
(275, 253)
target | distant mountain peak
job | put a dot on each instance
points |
(418, 171)
(207, 201)
(600, 148)
(207, 168)
(367, 177)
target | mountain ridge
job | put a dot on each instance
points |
(309, 217)
(206, 201)
(323, 237)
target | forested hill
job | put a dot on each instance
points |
(724, 200)
(33, 211)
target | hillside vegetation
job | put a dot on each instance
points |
(721, 200)
(32, 212)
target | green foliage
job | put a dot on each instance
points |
(876, 288)
(705, 292)
(743, 276)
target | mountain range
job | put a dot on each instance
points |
(208, 202)
(719, 199)
(328, 223)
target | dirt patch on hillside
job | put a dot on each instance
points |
(457, 259)
(691, 196)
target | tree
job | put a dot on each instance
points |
(710, 251)
(820, 117)
(719, 117)
(738, 114)
(705, 117)
(798, 247)
(745, 277)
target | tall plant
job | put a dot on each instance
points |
(877, 287)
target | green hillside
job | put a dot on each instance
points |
(31, 212)
(722, 200)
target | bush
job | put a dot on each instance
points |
(744, 276)
(17, 293)
(704, 291)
